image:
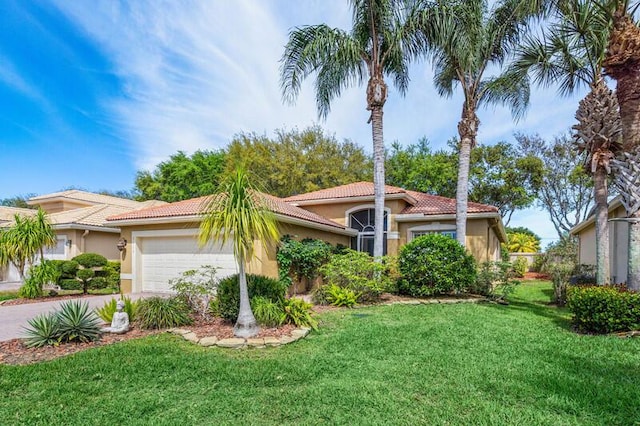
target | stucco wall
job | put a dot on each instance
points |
(103, 243)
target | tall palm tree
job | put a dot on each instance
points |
(45, 231)
(622, 63)
(21, 242)
(379, 44)
(570, 54)
(466, 37)
(238, 213)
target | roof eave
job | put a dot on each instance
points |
(62, 226)
(315, 225)
(398, 196)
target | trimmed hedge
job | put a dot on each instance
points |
(435, 264)
(604, 309)
(228, 295)
(91, 260)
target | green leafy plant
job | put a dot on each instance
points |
(604, 309)
(560, 275)
(520, 266)
(91, 260)
(301, 260)
(159, 313)
(267, 312)
(30, 289)
(68, 268)
(43, 330)
(299, 312)
(77, 322)
(39, 275)
(341, 296)
(197, 287)
(85, 276)
(111, 273)
(358, 272)
(229, 293)
(495, 280)
(109, 308)
(435, 264)
(70, 284)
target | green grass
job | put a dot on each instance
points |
(8, 295)
(457, 364)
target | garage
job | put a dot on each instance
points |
(163, 258)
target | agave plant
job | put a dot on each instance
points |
(43, 330)
(77, 322)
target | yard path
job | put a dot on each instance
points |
(14, 318)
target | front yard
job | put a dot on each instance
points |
(423, 364)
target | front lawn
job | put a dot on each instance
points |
(418, 364)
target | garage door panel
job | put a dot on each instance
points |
(166, 258)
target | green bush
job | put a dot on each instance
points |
(301, 259)
(229, 293)
(91, 260)
(70, 284)
(494, 280)
(109, 308)
(68, 268)
(77, 323)
(520, 266)
(30, 289)
(73, 322)
(158, 313)
(299, 312)
(37, 277)
(341, 296)
(267, 312)
(98, 283)
(604, 309)
(435, 264)
(85, 276)
(112, 274)
(560, 276)
(360, 273)
(197, 287)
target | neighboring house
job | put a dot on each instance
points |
(78, 218)
(585, 231)
(162, 239)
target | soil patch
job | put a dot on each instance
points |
(19, 301)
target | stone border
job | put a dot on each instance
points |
(435, 301)
(238, 342)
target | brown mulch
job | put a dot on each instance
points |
(19, 301)
(536, 276)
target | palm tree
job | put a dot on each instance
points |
(622, 63)
(465, 37)
(379, 44)
(522, 243)
(45, 231)
(570, 54)
(240, 214)
(21, 242)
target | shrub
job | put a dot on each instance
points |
(68, 268)
(91, 260)
(435, 264)
(112, 274)
(560, 275)
(494, 280)
(109, 308)
(604, 309)
(70, 284)
(77, 323)
(30, 289)
(98, 283)
(39, 275)
(267, 312)
(520, 266)
(340, 296)
(301, 259)
(229, 293)
(158, 313)
(360, 273)
(299, 312)
(197, 287)
(85, 275)
(583, 275)
(43, 330)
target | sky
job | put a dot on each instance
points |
(93, 91)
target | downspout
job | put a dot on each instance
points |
(82, 242)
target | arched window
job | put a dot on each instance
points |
(364, 222)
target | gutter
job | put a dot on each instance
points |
(85, 227)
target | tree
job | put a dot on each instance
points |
(466, 37)
(378, 45)
(622, 63)
(522, 243)
(566, 190)
(499, 175)
(240, 214)
(296, 162)
(182, 177)
(17, 201)
(418, 168)
(521, 230)
(571, 54)
(21, 242)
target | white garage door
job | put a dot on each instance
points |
(165, 258)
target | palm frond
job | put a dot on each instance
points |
(508, 91)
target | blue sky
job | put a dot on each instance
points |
(92, 91)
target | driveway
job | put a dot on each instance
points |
(14, 318)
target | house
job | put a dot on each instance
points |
(585, 231)
(78, 219)
(162, 239)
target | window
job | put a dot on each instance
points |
(57, 252)
(364, 222)
(451, 234)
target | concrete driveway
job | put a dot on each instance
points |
(14, 318)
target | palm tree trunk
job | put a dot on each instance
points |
(602, 227)
(378, 180)
(462, 191)
(246, 325)
(633, 265)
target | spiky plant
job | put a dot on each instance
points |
(598, 134)
(43, 330)
(109, 308)
(77, 323)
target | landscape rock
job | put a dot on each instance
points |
(191, 337)
(233, 342)
(271, 341)
(208, 341)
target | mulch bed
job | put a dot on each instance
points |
(20, 301)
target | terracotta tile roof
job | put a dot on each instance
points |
(358, 189)
(433, 205)
(90, 198)
(194, 206)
